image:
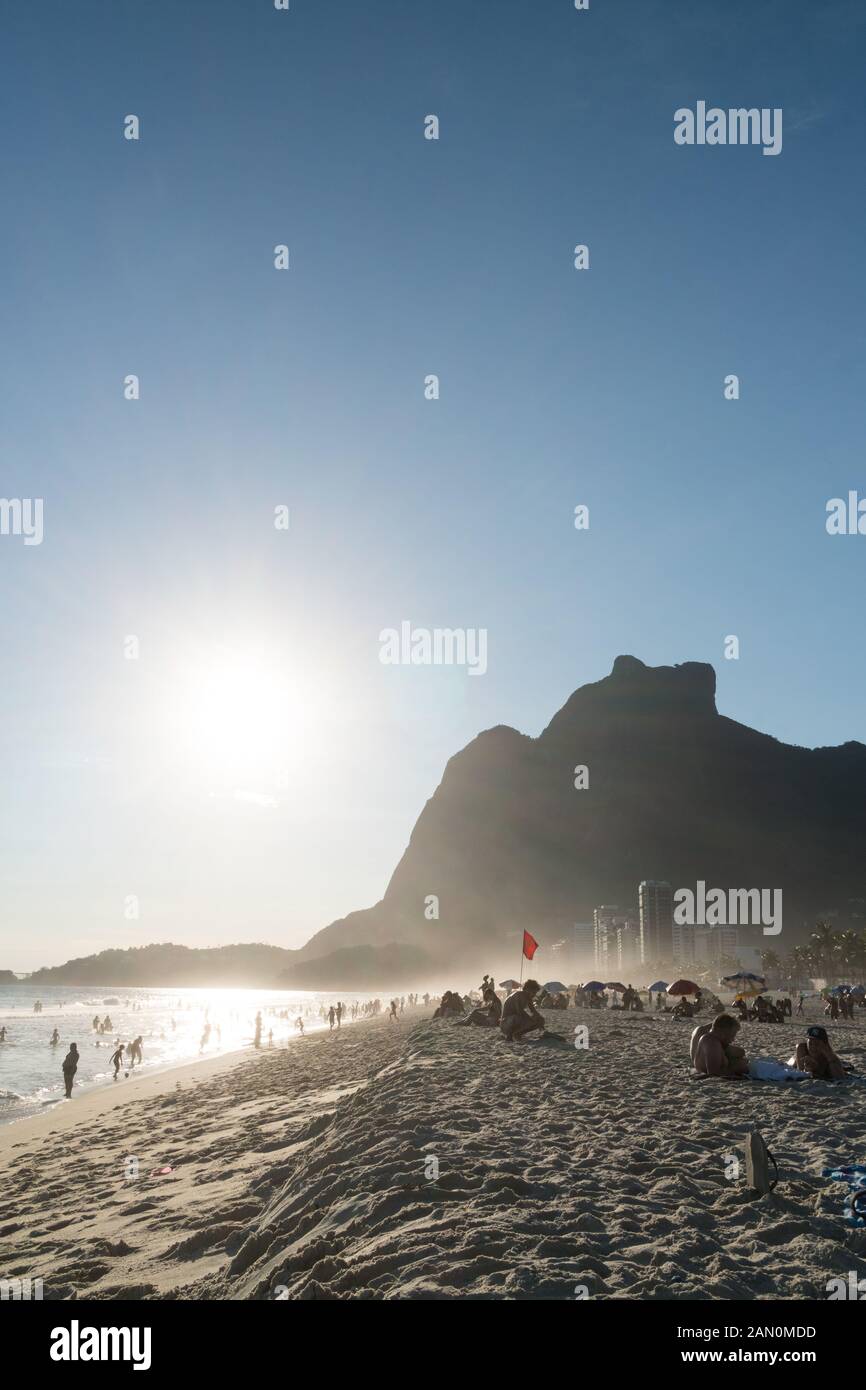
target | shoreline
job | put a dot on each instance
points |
(63, 1114)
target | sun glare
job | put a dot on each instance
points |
(238, 715)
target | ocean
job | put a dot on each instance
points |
(172, 1024)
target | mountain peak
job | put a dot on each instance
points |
(633, 689)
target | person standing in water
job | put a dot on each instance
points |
(117, 1059)
(55, 1038)
(70, 1067)
(257, 1040)
(332, 1014)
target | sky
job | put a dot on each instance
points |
(247, 768)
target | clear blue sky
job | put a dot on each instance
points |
(408, 257)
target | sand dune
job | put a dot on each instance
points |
(310, 1173)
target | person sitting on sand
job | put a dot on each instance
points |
(683, 1009)
(488, 1014)
(519, 1014)
(713, 1050)
(817, 1057)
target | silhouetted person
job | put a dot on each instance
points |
(117, 1059)
(519, 1014)
(70, 1067)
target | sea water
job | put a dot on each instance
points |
(171, 1022)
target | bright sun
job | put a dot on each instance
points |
(240, 715)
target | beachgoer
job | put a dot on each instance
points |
(393, 1013)
(55, 1038)
(519, 1014)
(488, 1015)
(332, 1014)
(70, 1067)
(817, 1057)
(713, 1051)
(117, 1059)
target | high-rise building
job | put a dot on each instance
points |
(656, 921)
(714, 944)
(627, 945)
(616, 941)
(604, 940)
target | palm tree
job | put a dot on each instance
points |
(770, 963)
(823, 940)
(850, 948)
(800, 962)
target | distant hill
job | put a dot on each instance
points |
(239, 967)
(676, 791)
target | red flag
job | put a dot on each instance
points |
(530, 945)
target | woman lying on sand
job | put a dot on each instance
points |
(713, 1051)
(817, 1057)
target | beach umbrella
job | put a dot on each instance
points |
(859, 989)
(743, 977)
(556, 987)
(618, 987)
(595, 986)
(657, 987)
(683, 987)
(509, 984)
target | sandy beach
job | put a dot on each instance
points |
(422, 1160)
